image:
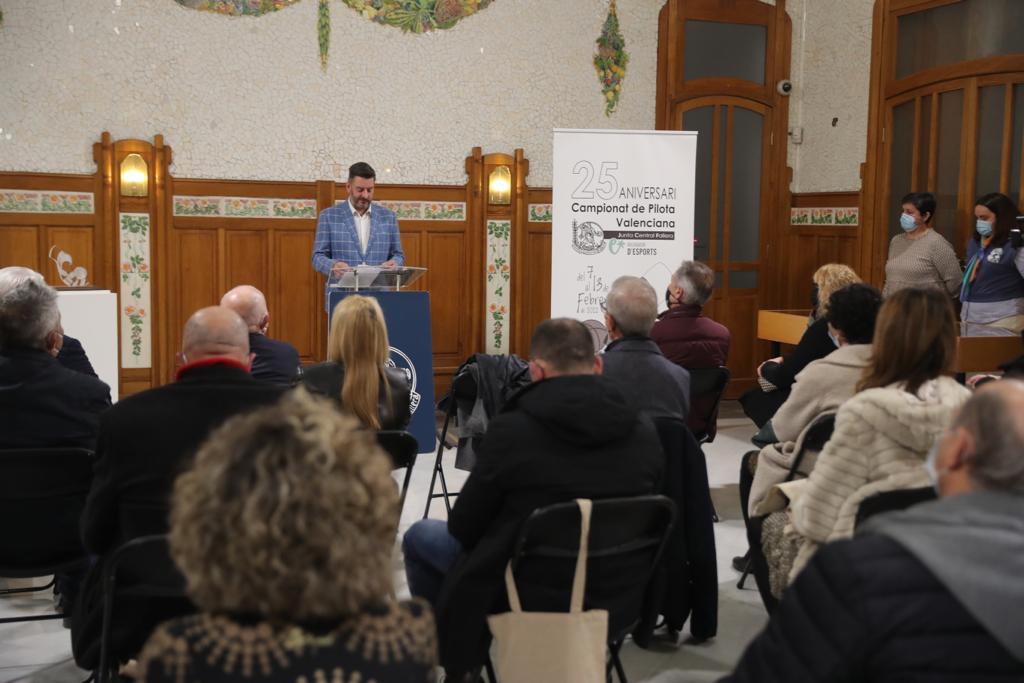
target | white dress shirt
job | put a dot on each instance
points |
(362, 224)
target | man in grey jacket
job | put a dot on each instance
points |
(933, 593)
(653, 384)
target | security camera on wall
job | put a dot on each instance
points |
(784, 87)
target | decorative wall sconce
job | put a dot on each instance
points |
(134, 176)
(499, 186)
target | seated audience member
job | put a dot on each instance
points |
(273, 360)
(283, 528)
(882, 435)
(683, 333)
(930, 594)
(823, 386)
(145, 441)
(777, 375)
(570, 434)
(42, 403)
(356, 374)
(651, 383)
(71, 354)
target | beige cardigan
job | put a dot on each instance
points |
(880, 442)
(821, 387)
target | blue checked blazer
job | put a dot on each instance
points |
(337, 240)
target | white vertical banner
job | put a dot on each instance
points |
(622, 204)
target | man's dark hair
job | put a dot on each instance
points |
(361, 169)
(565, 344)
(924, 202)
(852, 310)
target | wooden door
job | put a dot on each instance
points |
(718, 67)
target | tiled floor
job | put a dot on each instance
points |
(40, 652)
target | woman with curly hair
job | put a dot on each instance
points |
(283, 528)
(355, 374)
(776, 375)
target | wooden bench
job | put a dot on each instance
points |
(974, 354)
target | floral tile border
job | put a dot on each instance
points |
(244, 207)
(847, 216)
(424, 211)
(539, 213)
(46, 201)
(499, 276)
(135, 313)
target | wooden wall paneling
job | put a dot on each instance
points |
(78, 242)
(247, 260)
(289, 317)
(448, 289)
(194, 266)
(531, 273)
(19, 246)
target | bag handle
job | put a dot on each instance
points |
(579, 580)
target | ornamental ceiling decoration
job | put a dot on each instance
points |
(412, 16)
(611, 60)
(237, 8)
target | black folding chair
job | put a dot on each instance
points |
(892, 501)
(402, 447)
(627, 539)
(140, 570)
(42, 495)
(463, 387)
(707, 386)
(818, 433)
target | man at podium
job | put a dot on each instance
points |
(357, 232)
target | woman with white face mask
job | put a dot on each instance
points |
(992, 290)
(919, 256)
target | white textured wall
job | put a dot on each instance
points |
(246, 98)
(830, 70)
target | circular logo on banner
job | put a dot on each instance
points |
(409, 369)
(587, 238)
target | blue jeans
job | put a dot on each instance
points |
(430, 551)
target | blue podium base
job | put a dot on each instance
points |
(407, 316)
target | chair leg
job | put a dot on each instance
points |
(437, 460)
(405, 485)
(489, 668)
(35, 617)
(746, 572)
(714, 513)
(444, 488)
(613, 649)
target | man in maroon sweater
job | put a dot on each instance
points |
(688, 338)
(683, 334)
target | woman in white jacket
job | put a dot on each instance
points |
(905, 400)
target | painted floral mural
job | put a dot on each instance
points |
(237, 8)
(136, 329)
(499, 274)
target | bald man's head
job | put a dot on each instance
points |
(250, 304)
(215, 331)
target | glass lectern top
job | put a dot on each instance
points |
(375, 278)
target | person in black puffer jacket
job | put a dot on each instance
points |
(931, 594)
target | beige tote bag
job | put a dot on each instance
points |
(537, 647)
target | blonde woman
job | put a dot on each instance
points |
(283, 528)
(355, 373)
(776, 375)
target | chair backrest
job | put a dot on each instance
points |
(42, 495)
(707, 385)
(627, 538)
(891, 501)
(400, 445)
(139, 574)
(816, 435)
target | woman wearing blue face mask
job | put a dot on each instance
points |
(919, 256)
(992, 290)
